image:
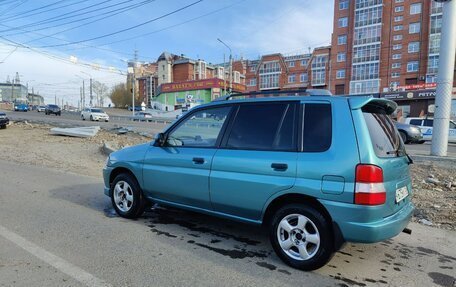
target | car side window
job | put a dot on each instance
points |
(317, 135)
(415, 122)
(428, 123)
(452, 125)
(200, 129)
(269, 126)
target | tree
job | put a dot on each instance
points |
(100, 90)
(120, 96)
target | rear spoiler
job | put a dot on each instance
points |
(361, 101)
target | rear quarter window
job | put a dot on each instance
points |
(384, 135)
(317, 133)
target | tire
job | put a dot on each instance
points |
(82, 117)
(403, 136)
(91, 118)
(126, 196)
(306, 247)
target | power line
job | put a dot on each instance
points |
(126, 29)
(12, 7)
(108, 15)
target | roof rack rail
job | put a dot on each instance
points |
(303, 92)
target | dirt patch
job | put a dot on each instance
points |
(34, 145)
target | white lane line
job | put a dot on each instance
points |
(53, 260)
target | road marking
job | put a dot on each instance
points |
(53, 260)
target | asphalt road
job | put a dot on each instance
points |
(73, 120)
(58, 229)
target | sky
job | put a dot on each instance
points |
(56, 44)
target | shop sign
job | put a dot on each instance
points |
(410, 95)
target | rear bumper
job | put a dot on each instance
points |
(355, 224)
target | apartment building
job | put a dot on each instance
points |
(385, 45)
(280, 72)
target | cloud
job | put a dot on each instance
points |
(53, 77)
(286, 28)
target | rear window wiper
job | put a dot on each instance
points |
(397, 153)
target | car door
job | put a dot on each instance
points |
(452, 134)
(178, 171)
(257, 158)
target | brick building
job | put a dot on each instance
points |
(384, 45)
(279, 72)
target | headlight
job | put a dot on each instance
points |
(415, 130)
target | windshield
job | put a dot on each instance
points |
(384, 135)
(97, 111)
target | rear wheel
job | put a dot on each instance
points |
(126, 196)
(403, 136)
(91, 118)
(82, 117)
(301, 236)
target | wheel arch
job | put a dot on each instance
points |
(119, 170)
(291, 198)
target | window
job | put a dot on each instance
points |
(399, 9)
(304, 78)
(399, 1)
(398, 28)
(200, 129)
(343, 22)
(341, 57)
(416, 122)
(415, 8)
(269, 75)
(304, 63)
(363, 87)
(343, 4)
(342, 40)
(367, 35)
(397, 47)
(252, 82)
(397, 37)
(395, 75)
(428, 123)
(414, 28)
(398, 18)
(340, 74)
(291, 64)
(317, 134)
(292, 78)
(433, 64)
(365, 71)
(412, 66)
(397, 56)
(253, 69)
(264, 127)
(414, 47)
(369, 16)
(436, 24)
(394, 85)
(396, 65)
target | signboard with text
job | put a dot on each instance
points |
(410, 95)
(200, 85)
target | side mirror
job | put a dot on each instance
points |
(160, 139)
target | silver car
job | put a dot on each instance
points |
(409, 133)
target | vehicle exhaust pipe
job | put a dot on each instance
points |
(407, 230)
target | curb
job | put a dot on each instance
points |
(106, 149)
(419, 158)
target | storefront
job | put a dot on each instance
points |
(412, 103)
(188, 94)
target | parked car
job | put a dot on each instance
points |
(94, 114)
(137, 108)
(53, 110)
(315, 170)
(409, 133)
(426, 126)
(21, 107)
(40, 109)
(142, 116)
(4, 121)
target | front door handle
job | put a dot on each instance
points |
(198, 160)
(279, 166)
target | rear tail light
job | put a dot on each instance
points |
(369, 188)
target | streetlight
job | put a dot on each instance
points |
(91, 95)
(131, 70)
(231, 64)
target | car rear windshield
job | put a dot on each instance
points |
(384, 135)
(53, 106)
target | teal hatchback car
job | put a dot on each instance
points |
(316, 170)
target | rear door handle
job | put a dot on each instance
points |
(198, 160)
(279, 166)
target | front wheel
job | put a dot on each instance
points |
(126, 196)
(301, 236)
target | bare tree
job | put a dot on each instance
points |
(101, 91)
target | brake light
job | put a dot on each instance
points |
(369, 188)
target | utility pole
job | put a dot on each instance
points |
(83, 94)
(224, 75)
(91, 95)
(80, 99)
(444, 80)
(134, 80)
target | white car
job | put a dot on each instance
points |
(426, 126)
(94, 114)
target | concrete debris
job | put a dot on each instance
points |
(425, 222)
(108, 148)
(432, 180)
(82, 132)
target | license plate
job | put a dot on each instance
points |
(401, 193)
